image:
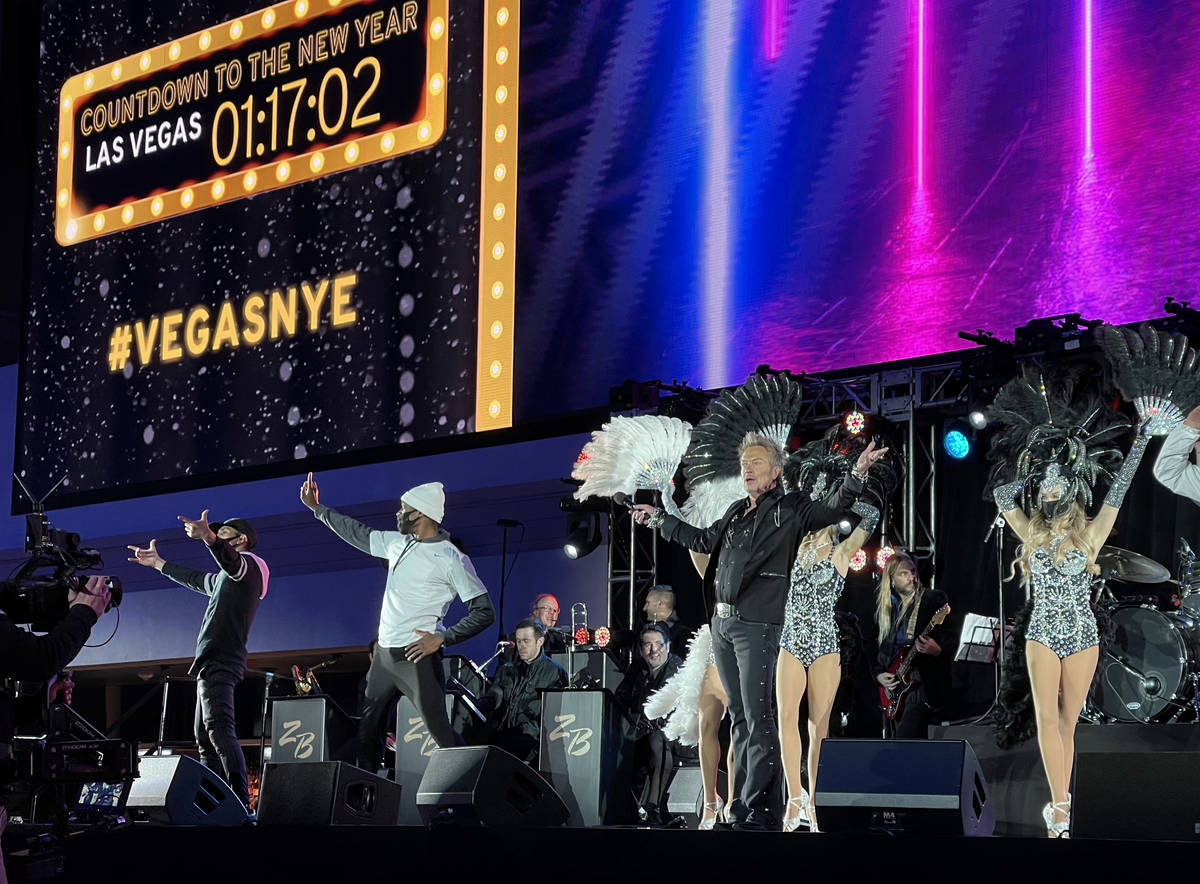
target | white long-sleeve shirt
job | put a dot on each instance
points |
(1173, 469)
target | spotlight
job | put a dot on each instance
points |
(602, 637)
(583, 534)
(858, 561)
(581, 636)
(957, 438)
(978, 419)
(881, 557)
(855, 421)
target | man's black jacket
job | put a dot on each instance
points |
(637, 685)
(780, 523)
(514, 702)
(24, 655)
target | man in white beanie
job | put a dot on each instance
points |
(426, 572)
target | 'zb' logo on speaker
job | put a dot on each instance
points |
(578, 739)
(303, 740)
(416, 731)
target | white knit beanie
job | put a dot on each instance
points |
(428, 499)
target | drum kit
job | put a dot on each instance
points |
(1151, 670)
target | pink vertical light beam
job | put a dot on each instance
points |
(773, 29)
(1088, 96)
(920, 145)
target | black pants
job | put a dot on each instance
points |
(216, 736)
(423, 682)
(746, 654)
(914, 719)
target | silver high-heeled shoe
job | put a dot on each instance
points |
(717, 807)
(1062, 828)
(802, 818)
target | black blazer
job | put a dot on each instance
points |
(780, 522)
(637, 685)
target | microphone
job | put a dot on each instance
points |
(510, 523)
(997, 522)
(504, 644)
(622, 499)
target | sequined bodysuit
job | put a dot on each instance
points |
(809, 628)
(1062, 617)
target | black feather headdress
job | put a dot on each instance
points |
(1053, 428)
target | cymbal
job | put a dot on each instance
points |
(1131, 567)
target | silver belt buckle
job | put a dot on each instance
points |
(724, 610)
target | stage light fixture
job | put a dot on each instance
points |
(581, 636)
(858, 561)
(882, 556)
(583, 534)
(855, 422)
(978, 419)
(957, 437)
(602, 636)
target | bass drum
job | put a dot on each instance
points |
(1148, 674)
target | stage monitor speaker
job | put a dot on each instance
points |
(177, 790)
(1152, 795)
(928, 786)
(486, 786)
(326, 793)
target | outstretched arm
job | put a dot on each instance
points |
(701, 540)
(1172, 468)
(1102, 525)
(869, 518)
(350, 530)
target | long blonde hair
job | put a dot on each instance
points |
(1074, 525)
(883, 594)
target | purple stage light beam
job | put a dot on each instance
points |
(1088, 94)
(919, 147)
(717, 198)
(773, 29)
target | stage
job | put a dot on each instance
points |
(310, 854)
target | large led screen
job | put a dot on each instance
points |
(264, 235)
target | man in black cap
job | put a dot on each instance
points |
(234, 592)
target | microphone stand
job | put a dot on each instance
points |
(504, 525)
(268, 677)
(999, 657)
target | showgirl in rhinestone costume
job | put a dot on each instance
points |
(809, 659)
(1055, 441)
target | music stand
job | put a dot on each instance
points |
(979, 639)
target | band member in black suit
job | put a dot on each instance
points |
(751, 549)
(513, 703)
(903, 608)
(654, 754)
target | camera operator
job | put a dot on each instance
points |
(28, 657)
(25, 656)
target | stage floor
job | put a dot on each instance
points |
(164, 855)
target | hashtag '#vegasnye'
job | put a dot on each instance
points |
(118, 347)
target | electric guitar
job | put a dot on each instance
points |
(892, 701)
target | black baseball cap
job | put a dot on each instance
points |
(241, 526)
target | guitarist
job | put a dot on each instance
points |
(903, 610)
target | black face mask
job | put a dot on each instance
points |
(405, 522)
(1055, 509)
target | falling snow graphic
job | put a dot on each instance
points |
(404, 371)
